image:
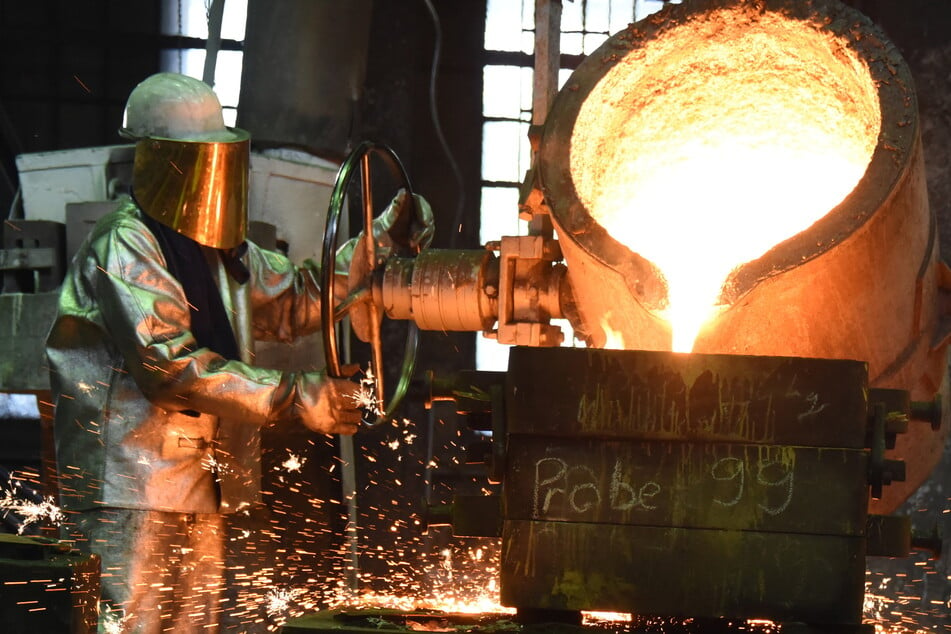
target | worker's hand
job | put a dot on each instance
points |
(404, 224)
(328, 405)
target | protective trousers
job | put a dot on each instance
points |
(161, 572)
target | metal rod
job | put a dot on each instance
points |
(547, 59)
(348, 487)
(215, 16)
(370, 249)
(355, 297)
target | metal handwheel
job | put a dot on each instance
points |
(361, 291)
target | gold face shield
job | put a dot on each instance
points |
(198, 188)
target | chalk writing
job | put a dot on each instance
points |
(784, 480)
(578, 490)
(730, 470)
(814, 406)
(624, 497)
(772, 474)
(666, 405)
(575, 483)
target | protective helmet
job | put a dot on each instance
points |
(190, 171)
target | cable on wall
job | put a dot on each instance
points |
(434, 114)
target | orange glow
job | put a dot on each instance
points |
(448, 604)
(703, 149)
(595, 618)
(697, 235)
(614, 339)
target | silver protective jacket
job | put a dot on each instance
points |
(145, 419)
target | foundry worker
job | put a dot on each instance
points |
(157, 403)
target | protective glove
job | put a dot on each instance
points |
(325, 405)
(410, 229)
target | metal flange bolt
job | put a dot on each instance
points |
(928, 412)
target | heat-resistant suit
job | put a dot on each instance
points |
(130, 382)
(146, 419)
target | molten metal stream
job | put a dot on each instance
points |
(730, 148)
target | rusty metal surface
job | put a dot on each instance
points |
(678, 572)
(693, 485)
(662, 395)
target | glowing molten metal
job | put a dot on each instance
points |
(729, 141)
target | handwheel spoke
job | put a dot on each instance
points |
(366, 189)
(357, 295)
(376, 347)
(330, 314)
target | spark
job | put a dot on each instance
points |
(32, 512)
(112, 621)
(84, 387)
(210, 463)
(293, 462)
(468, 588)
(446, 559)
(80, 82)
(279, 601)
(365, 398)
(242, 535)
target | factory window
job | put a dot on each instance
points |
(185, 26)
(507, 106)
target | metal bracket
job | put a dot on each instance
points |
(529, 283)
(29, 259)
